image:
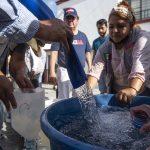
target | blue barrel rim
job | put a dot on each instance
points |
(55, 134)
(71, 142)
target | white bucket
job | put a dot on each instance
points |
(26, 118)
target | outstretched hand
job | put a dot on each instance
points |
(6, 93)
(142, 109)
(22, 80)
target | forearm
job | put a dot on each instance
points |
(136, 84)
(88, 60)
(92, 81)
(17, 60)
(53, 60)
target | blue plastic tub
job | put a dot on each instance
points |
(59, 141)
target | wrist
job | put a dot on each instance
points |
(134, 89)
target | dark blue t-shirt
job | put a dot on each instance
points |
(81, 46)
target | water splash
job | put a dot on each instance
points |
(84, 93)
(87, 101)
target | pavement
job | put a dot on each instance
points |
(11, 140)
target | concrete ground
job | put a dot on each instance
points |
(11, 140)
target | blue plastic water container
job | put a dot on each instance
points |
(59, 141)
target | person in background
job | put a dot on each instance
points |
(34, 62)
(43, 61)
(82, 48)
(124, 58)
(102, 31)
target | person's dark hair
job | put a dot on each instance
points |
(101, 21)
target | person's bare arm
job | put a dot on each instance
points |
(128, 93)
(136, 84)
(92, 81)
(88, 60)
(94, 54)
(53, 60)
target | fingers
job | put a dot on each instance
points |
(32, 74)
(125, 95)
(9, 100)
(6, 93)
(24, 82)
(53, 80)
(66, 46)
(69, 33)
(119, 96)
(20, 83)
(68, 38)
(145, 128)
(140, 109)
(5, 101)
(134, 111)
(122, 97)
(28, 83)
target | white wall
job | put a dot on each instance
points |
(145, 26)
(89, 12)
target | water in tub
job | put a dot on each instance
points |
(113, 129)
(108, 127)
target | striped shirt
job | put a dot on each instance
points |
(16, 22)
